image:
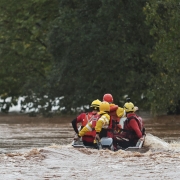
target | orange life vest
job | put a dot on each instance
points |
(114, 123)
(90, 118)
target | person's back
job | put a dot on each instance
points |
(116, 112)
(133, 128)
(102, 125)
(100, 128)
(84, 119)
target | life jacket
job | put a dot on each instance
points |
(114, 121)
(110, 128)
(131, 134)
(90, 118)
(112, 112)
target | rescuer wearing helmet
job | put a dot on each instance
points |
(133, 128)
(101, 124)
(84, 119)
(115, 113)
(108, 98)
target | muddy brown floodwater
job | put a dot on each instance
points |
(20, 131)
(40, 148)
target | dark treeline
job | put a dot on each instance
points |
(80, 50)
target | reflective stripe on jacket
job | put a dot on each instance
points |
(103, 122)
(89, 124)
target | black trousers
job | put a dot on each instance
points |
(103, 133)
(88, 143)
(123, 144)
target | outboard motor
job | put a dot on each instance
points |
(107, 143)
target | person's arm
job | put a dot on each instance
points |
(113, 107)
(77, 120)
(135, 127)
(99, 125)
(74, 125)
(120, 112)
(115, 110)
(85, 129)
(103, 120)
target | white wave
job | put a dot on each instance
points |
(155, 143)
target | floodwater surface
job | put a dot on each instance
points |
(19, 132)
(40, 148)
(22, 132)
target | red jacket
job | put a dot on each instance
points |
(134, 126)
(84, 118)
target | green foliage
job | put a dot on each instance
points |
(100, 46)
(25, 61)
(164, 19)
(80, 50)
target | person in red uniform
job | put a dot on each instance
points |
(100, 127)
(133, 128)
(84, 119)
(116, 113)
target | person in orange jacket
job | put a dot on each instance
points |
(116, 113)
(84, 119)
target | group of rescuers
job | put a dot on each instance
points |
(103, 120)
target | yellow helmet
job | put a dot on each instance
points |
(104, 106)
(129, 107)
(95, 104)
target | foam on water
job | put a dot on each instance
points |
(155, 143)
(175, 145)
(152, 143)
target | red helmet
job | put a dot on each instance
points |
(108, 98)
